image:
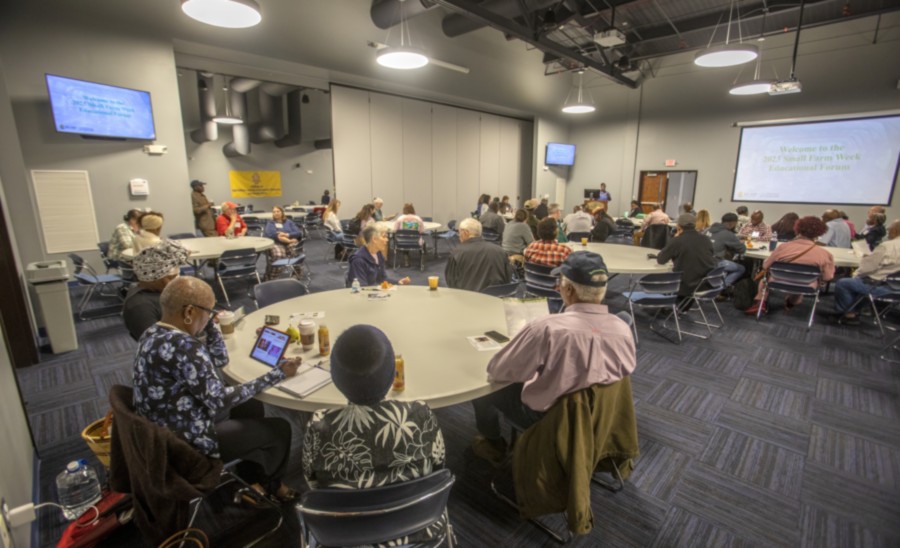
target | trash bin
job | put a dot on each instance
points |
(49, 282)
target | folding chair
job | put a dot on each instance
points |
(577, 236)
(254, 226)
(793, 279)
(490, 235)
(348, 242)
(890, 299)
(624, 230)
(354, 517)
(275, 291)
(656, 236)
(88, 277)
(236, 263)
(104, 255)
(334, 239)
(408, 240)
(709, 288)
(312, 222)
(447, 235)
(658, 291)
(539, 282)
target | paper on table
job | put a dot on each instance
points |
(521, 311)
(308, 379)
(308, 315)
(482, 343)
(861, 248)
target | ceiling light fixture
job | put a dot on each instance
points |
(581, 105)
(727, 55)
(229, 14)
(405, 56)
(754, 87)
(228, 119)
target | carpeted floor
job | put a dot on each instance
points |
(766, 435)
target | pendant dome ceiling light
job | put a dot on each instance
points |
(727, 55)
(754, 87)
(581, 105)
(230, 14)
(228, 119)
(405, 56)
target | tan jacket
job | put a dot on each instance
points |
(203, 215)
(554, 460)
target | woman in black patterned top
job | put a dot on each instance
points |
(371, 441)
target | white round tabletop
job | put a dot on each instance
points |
(429, 226)
(267, 215)
(429, 328)
(203, 249)
(842, 257)
(624, 259)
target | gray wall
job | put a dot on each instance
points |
(686, 113)
(115, 56)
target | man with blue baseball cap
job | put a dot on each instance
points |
(556, 355)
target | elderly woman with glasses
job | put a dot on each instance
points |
(176, 386)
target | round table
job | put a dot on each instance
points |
(842, 257)
(429, 328)
(623, 259)
(203, 249)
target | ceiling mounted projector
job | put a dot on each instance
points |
(784, 88)
(609, 38)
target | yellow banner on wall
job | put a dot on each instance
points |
(255, 184)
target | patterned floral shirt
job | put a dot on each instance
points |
(360, 446)
(122, 239)
(546, 253)
(176, 385)
(764, 233)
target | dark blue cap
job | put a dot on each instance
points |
(581, 266)
(362, 364)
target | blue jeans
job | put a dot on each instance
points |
(733, 270)
(848, 290)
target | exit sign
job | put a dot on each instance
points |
(671, 163)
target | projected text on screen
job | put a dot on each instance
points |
(836, 162)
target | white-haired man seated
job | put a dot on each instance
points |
(555, 355)
(476, 264)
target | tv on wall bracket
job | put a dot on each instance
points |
(100, 111)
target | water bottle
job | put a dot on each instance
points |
(78, 488)
(355, 287)
(773, 241)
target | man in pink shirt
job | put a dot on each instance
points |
(656, 217)
(555, 355)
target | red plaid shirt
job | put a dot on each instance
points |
(548, 253)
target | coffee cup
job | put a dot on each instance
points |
(307, 334)
(226, 322)
(432, 282)
(584, 241)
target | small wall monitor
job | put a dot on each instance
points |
(560, 154)
(98, 110)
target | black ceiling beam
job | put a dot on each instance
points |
(475, 11)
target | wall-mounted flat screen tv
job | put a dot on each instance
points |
(560, 154)
(90, 109)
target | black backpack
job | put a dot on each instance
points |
(744, 292)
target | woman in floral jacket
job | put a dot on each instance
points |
(371, 441)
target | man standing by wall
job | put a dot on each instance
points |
(203, 215)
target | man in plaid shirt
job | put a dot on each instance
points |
(545, 250)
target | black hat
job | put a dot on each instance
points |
(197, 182)
(362, 364)
(581, 267)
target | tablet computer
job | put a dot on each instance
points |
(270, 346)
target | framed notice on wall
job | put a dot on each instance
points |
(255, 184)
(65, 210)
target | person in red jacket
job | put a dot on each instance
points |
(229, 223)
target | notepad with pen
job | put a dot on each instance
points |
(309, 378)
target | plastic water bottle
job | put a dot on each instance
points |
(773, 241)
(78, 488)
(355, 287)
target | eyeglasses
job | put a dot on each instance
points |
(212, 313)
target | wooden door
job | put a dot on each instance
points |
(653, 189)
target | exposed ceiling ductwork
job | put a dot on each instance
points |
(206, 93)
(616, 37)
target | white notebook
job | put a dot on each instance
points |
(308, 379)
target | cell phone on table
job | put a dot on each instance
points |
(497, 336)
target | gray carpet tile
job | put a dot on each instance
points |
(817, 524)
(843, 495)
(744, 509)
(687, 400)
(839, 417)
(728, 364)
(69, 394)
(755, 461)
(687, 530)
(770, 397)
(789, 433)
(876, 402)
(880, 380)
(63, 423)
(785, 359)
(713, 381)
(660, 471)
(854, 455)
(668, 427)
(783, 378)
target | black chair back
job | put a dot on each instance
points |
(353, 517)
(577, 236)
(490, 235)
(656, 236)
(275, 291)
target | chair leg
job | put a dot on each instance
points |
(225, 293)
(633, 320)
(616, 485)
(762, 301)
(536, 522)
(812, 313)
